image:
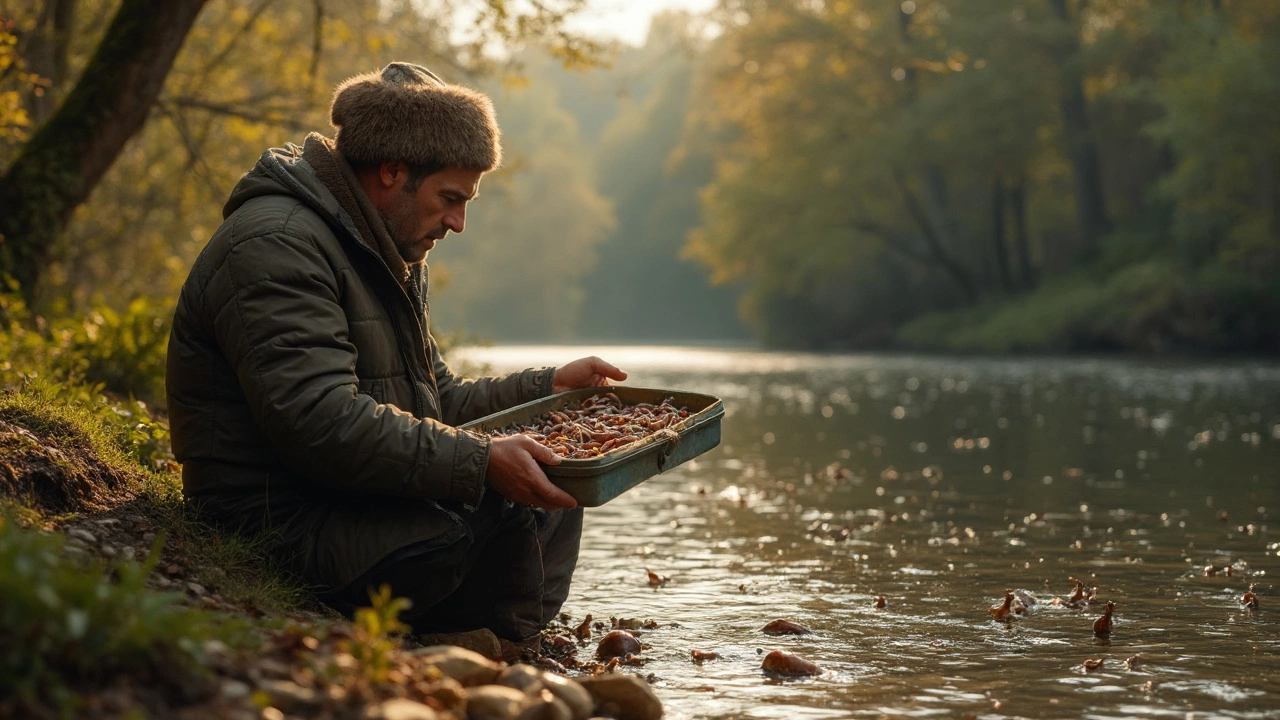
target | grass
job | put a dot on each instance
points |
(71, 623)
(242, 566)
(67, 630)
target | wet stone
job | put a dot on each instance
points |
(625, 697)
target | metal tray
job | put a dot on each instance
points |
(596, 481)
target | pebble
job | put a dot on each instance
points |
(83, 535)
(400, 709)
(196, 589)
(109, 551)
(129, 553)
(495, 702)
(618, 643)
(106, 522)
(571, 693)
(289, 696)
(546, 707)
(216, 648)
(785, 663)
(524, 678)
(625, 697)
(234, 689)
(467, 667)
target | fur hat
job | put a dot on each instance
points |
(406, 113)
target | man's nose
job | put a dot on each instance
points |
(456, 221)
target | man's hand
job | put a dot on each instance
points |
(514, 473)
(585, 372)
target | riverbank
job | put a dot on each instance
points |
(118, 604)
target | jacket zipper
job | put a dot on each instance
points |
(422, 403)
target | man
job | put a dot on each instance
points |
(308, 399)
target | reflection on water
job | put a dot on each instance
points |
(940, 483)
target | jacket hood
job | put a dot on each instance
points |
(282, 171)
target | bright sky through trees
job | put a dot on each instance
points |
(628, 20)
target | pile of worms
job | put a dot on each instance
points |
(597, 425)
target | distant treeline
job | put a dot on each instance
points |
(976, 175)
(999, 176)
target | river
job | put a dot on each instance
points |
(940, 483)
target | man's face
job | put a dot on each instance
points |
(417, 219)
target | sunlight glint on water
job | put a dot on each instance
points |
(965, 477)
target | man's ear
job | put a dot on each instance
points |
(392, 172)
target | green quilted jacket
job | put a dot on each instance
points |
(306, 395)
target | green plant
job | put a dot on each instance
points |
(371, 644)
(65, 627)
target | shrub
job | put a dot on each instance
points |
(62, 628)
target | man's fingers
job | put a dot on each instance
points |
(541, 452)
(600, 367)
(553, 496)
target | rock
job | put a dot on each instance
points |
(234, 690)
(195, 588)
(571, 693)
(173, 570)
(618, 643)
(128, 553)
(83, 536)
(289, 696)
(785, 627)
(106, 522)
(210, 603)
(481, 641)
(467, 667)
(216, 648)
(447, 694)
(546, 707)
(785, 663)
(400, 709)
(524, 678)
(495, 702)
(625, 697)
(109, 551)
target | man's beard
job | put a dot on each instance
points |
(401, 220)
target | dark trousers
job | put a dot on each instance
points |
(510, 573)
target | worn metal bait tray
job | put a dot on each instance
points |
(596, 481)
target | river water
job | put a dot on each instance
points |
(939, 483)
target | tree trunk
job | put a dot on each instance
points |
(57, 169)
(47, 57)
(1091, 207)
(1021, 241)
(934, 242)
(997, 236)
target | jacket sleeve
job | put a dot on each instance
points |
(464, 399)
(278, 320)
